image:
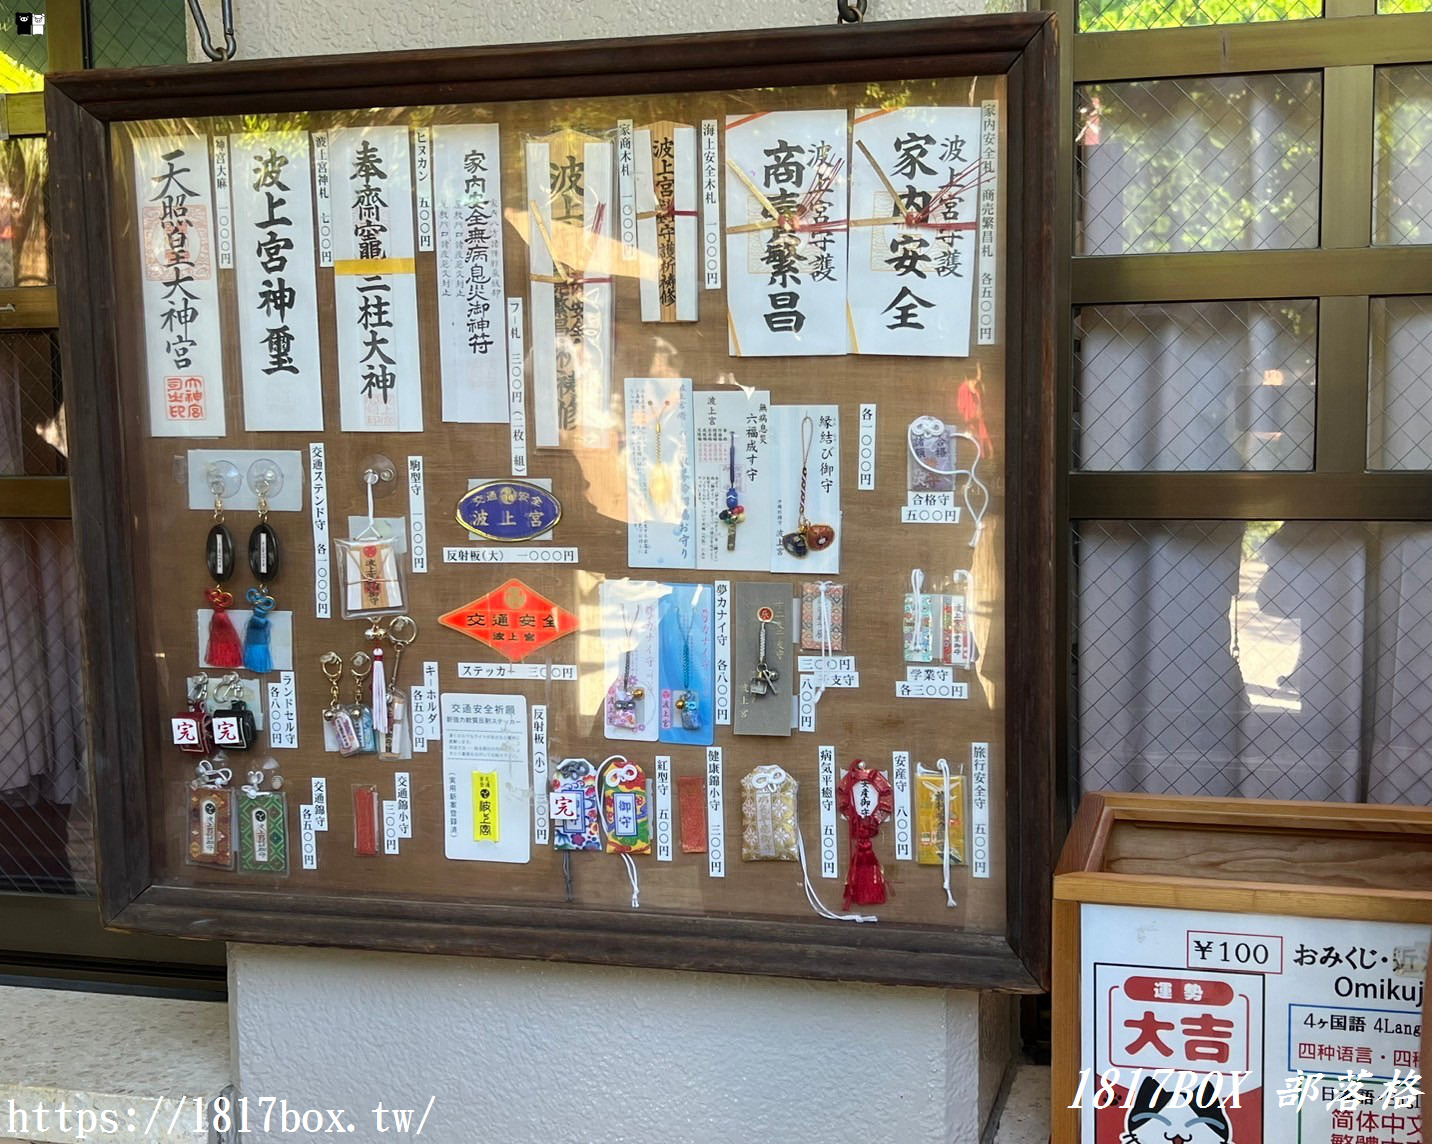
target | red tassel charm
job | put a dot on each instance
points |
(224, 648)
(865, 797)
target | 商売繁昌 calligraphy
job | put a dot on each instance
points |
(786, 233)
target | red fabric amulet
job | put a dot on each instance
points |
(864, 796)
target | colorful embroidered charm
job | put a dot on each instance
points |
(626, 812)
(573, 808)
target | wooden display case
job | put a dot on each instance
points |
(141, 532)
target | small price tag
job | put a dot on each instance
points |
(403, 787)
(320, 804)
(805, 704)
(557, 672)
(223, 203)
(390, 826)
(907, 690)
(423, 184)
(543, 825)
(710, 205)
(829, 852)
(318, 499)
(900, 781)
(715, 815)
(827, 663)
(987, 296)
(283, 713)
(546, 555)
(323, 190)
(626, 187)
(516, 388)
(432, 711)
(865, 459)
(910, 515)
(417, 517)
(979, 810)
(307, 838)
(721, 635)
(662, 792)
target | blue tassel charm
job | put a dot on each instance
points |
(257, 655)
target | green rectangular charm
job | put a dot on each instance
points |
(263, 833)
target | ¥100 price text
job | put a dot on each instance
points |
(1101, 1090)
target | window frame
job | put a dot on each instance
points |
(54, 936)
(1342, 274)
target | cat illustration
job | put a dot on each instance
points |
(1152, 1121)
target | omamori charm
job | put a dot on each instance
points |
(864, 797)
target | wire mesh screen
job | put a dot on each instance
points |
(1399, 421)
(32, 420)
(1267, 659)
(1195, 386)
(24, 209)
(46, 840)
(137, 33)
(1129, 15)
(1214, 163)
(1402, 160)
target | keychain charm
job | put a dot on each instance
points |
(263, 563)
(734, 513)
(193, 728)
(263, 823)
(361, 667)
(686, 702)
(807, 537)
(345, 734)
(234, 725)
(211, 816)
(864, 797)
(763, 682)
(223, 649)
(626, 697)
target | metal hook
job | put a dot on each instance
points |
(206, 41)
(846, 11)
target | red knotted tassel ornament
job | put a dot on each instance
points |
(224, 649)
(864, 796)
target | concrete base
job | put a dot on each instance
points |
(527, 1051)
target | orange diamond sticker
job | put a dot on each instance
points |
(513, 620)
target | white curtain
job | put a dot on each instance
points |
(1285, 660)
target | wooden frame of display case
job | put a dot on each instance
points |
(80, 110)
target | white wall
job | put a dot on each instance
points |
(522, 1052)
(527, 1051)
(321, 27)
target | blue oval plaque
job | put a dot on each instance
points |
(509, 511)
